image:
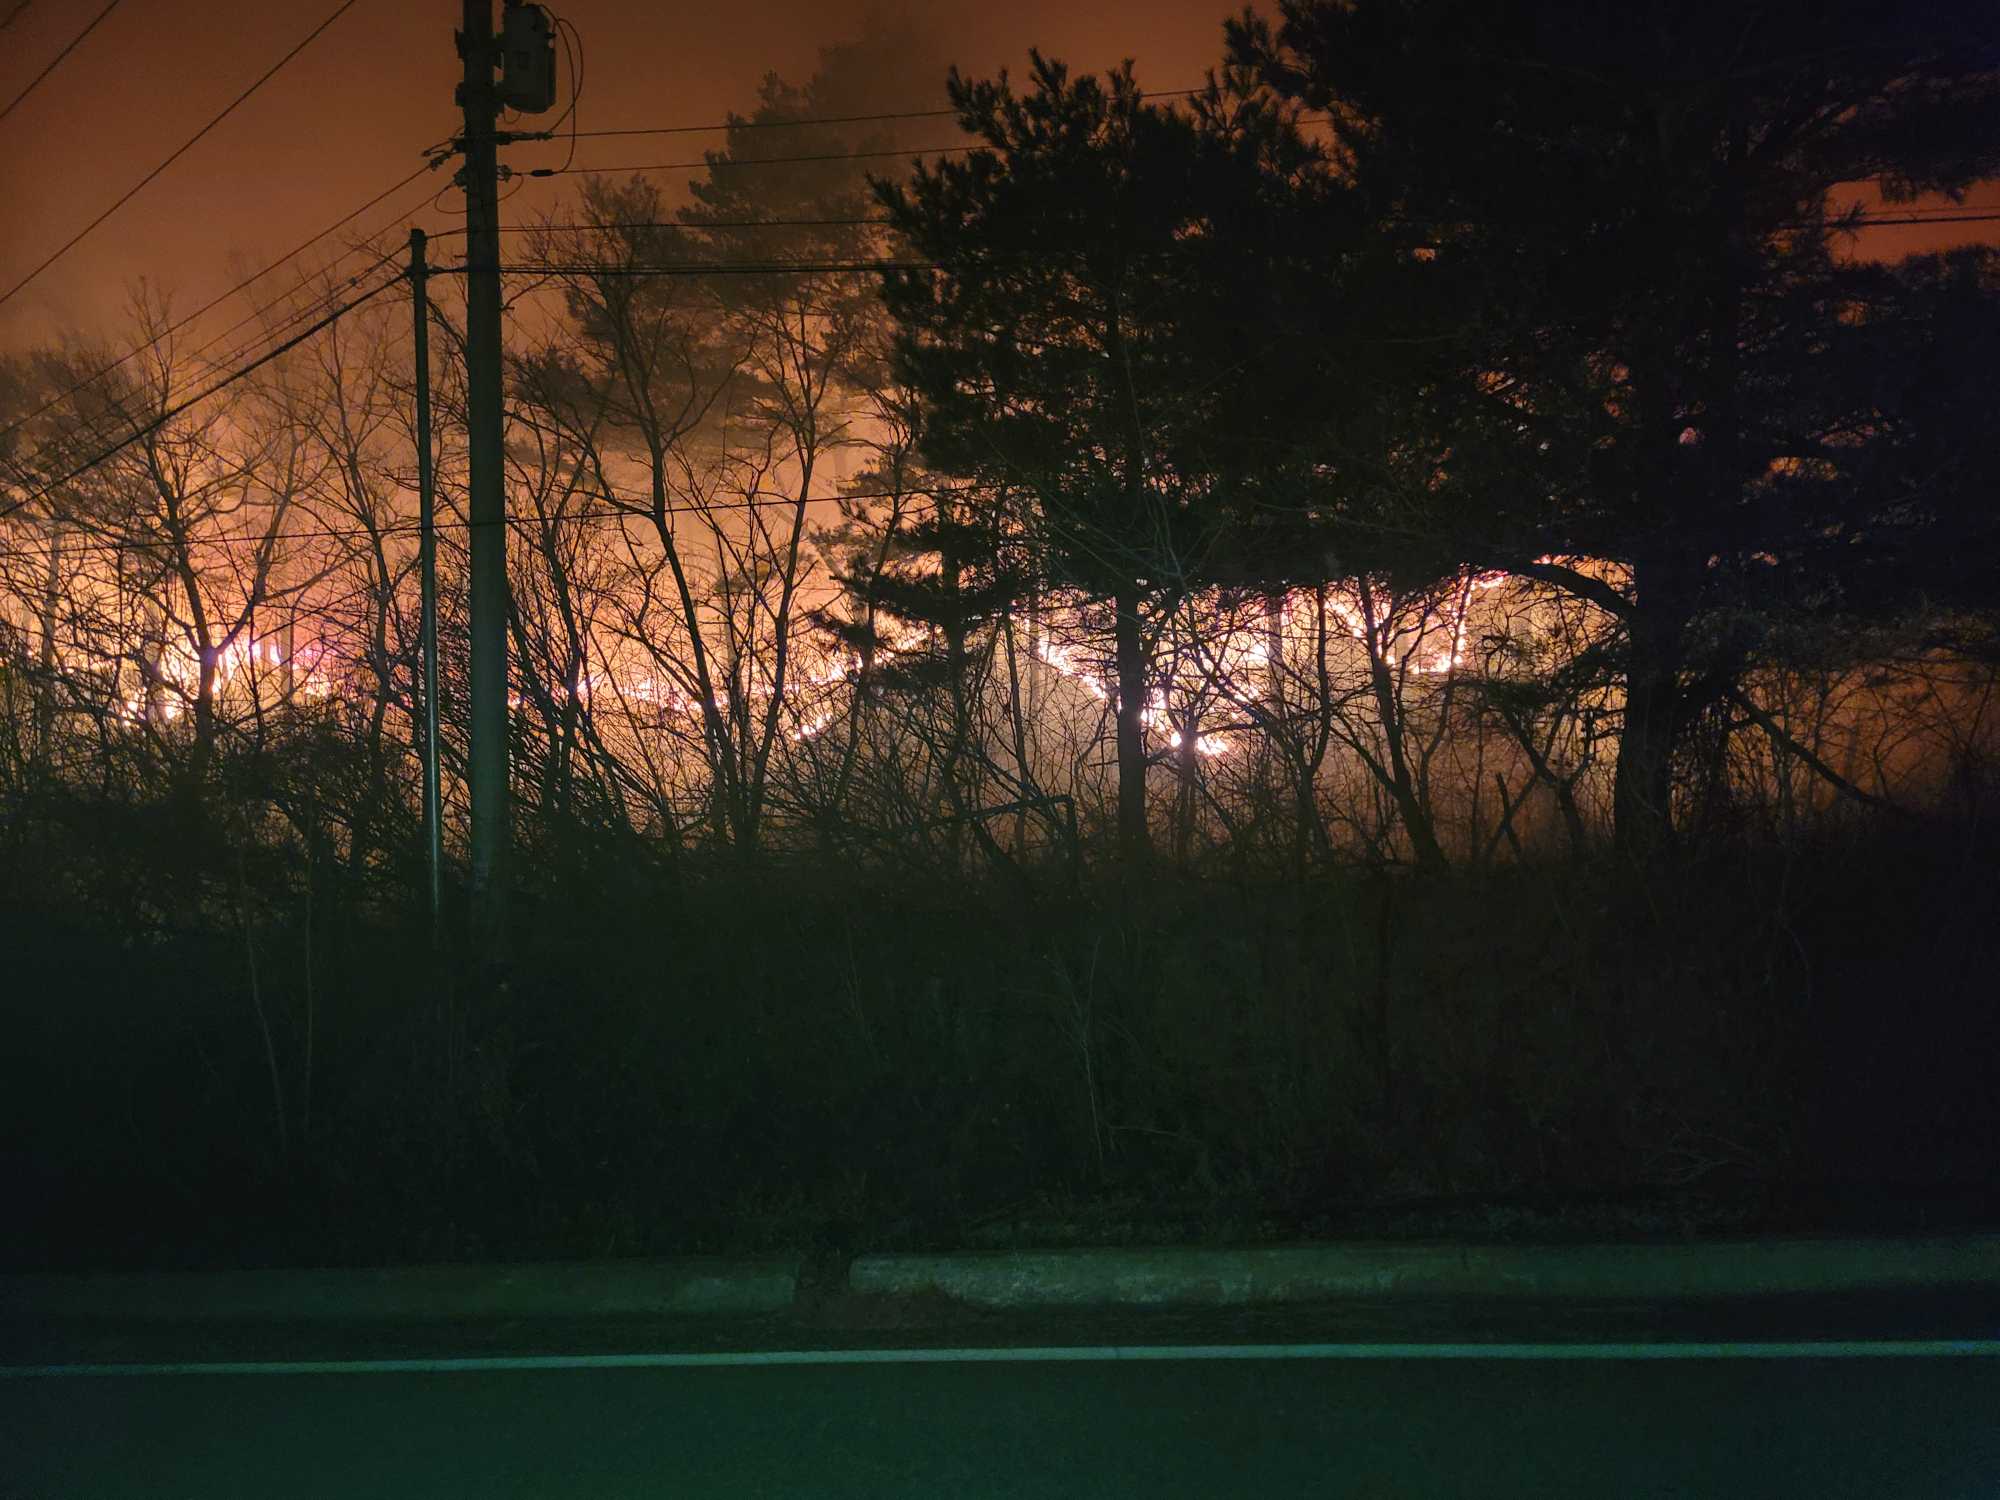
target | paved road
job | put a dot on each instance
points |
(1499, 1418)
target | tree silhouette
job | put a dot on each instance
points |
(1082, 346)
(1648, 350)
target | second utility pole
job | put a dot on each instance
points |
(486, 501)
(427, 582)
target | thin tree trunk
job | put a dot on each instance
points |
(1642, 781)
(1133, 846)
(1402, 787)
(46, 658)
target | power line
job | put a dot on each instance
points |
(803, 267)
(56, 61)
(400, 219)
(713, 268)
(295, 315)
(217, 301)
(1971, 214)
(185, 147)
(772, 161)
(1914, 216)
(1907, 219)
(761, 161)
(689, 228)
(1935, 208)
(901, 114)
(293, 318)
(175, 410)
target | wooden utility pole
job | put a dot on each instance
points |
(427, 571)
(486, 502)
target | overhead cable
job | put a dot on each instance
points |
(691, 228)
(214, 302)
(900, 114)
(1881, 221)
(179, 152)
(56, 61)
(711, 268)
(760, 161)
(320, 297)
(179, 407)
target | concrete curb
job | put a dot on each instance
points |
(1303, 1273)
(1133, 1278)
(691, 1287)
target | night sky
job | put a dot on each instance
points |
(352, 113)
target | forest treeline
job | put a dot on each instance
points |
(1454, 491)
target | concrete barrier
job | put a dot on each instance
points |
(1302, 1273)
(691, 1288)
(1178, 1277)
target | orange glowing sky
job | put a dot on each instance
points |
(351, 114)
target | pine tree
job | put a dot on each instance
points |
(1080, 348)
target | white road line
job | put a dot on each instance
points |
(472, 1364)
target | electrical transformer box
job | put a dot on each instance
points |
(527, 59)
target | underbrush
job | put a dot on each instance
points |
(793, 1056)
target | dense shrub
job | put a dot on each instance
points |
(747, 1057)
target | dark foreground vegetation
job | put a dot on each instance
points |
(785, 1057)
